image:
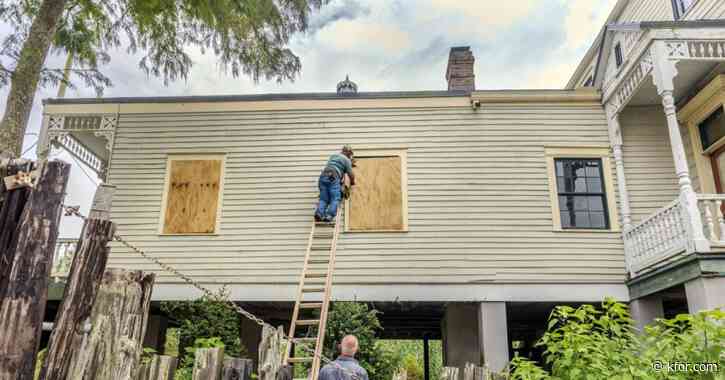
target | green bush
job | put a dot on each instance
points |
(206, 318)
(357, 319)
(601, 343)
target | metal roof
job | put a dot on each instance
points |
(260, 97)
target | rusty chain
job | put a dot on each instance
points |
(75, 211)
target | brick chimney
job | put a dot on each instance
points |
(459, 72)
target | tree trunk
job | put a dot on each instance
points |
(112, 348)
(11, 209)
(23, 304)
(24, 79)
(237, 369)
(84, 278)
(208, 363)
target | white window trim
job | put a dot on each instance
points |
(602, 153)
(392, 152)
(165, 194)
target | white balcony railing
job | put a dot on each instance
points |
(665, 235)
(63, 256)
(659, 237)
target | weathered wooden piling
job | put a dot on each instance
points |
(22, 305)
(84, 279)
(208, 363)
(237, 369)
(112, 342)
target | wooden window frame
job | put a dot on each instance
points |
(599, 152)
(167, 179)
(692, 114)
(679, 10)
(372, 153)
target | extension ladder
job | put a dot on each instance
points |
(316, 279)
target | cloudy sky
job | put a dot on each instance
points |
(383, 45)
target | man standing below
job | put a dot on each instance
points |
(330, 184)
(345, 367)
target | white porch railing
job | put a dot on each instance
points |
(659, 237)
(63, 256)
(664, 235)
(713, 222)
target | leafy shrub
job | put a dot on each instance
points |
(206, 318)
(358, 319)
(598, 344)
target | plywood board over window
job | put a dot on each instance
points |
(379, 200)
(192, 194)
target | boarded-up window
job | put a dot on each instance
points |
(378, 202)
(192, 196)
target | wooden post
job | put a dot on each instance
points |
(12, 205)
(271, 350)
(449, 373)
(161, 367)
(237, 369)
(426, 358)
(208, 363)
(111, 348)
(84, 278)
(23, 304)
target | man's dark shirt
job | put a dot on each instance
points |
(350, 365)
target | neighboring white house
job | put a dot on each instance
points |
(505, 203)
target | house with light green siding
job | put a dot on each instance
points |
(504, 204)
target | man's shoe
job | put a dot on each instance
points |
(317, 218)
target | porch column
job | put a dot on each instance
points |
(615, 139)
(645, 310)
(664, 72)
(705, 293)
(493, 330)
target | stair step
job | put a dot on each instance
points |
(300, 360)
(316, 274)
(320, 248)
(313, 290)
(324, 224)
(311, 305)
(308, 322)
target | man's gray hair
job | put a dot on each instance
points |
(349, 345)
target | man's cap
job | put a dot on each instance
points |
(347, 148)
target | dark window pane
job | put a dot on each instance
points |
(596, 204)
(564, 202)
(580, 185)
(565, 222)
(712, 128)
(559, 168)
(581, 204)
(560, 185)
(597, 220)
(581, 219)
(594, 185)
(579, 170)
(593, 169)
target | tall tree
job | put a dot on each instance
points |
(247, 36)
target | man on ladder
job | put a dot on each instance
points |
(331, 181)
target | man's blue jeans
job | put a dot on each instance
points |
(329, 197)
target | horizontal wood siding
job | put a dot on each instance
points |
(647, 10)
(648, 164)
(478, 196)
(707, 10)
